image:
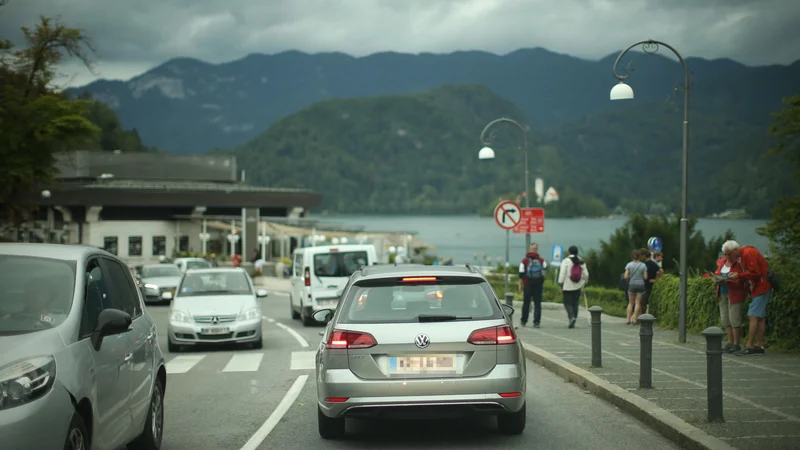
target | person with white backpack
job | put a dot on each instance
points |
(572, 277)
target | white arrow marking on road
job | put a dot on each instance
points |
(303, 360)
(182, 364)
(277, 415)
(244, 362)
(295, 334)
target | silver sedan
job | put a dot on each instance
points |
(393, 350)
(215, 306)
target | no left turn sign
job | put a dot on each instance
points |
(507, 214)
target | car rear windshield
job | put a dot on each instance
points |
(214, 283)
(339, 264)
(162, 270)
(395, 301)
(198, 264)
(35, 293)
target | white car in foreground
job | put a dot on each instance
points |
(215, 306)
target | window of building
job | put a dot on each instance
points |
(110, 245)
(183, 244)
(159, 245)
(134, 246)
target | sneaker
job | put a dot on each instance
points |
(747, 351)
(572, 322)
(728, 348)
(759, 350)
(535, 325)
(735, 348)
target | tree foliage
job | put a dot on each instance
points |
(36, 122)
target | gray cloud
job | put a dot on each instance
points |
(133, 36)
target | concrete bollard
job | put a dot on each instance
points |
(646, 351)
(510, 298)
(597, 350)
(714, 337)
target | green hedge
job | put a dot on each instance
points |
(612, 301)
(783, 310)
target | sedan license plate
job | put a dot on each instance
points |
(422, 364)
(218, 330)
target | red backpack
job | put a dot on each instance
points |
(576, 272)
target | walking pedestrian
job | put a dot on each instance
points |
(636, 275)
(531, 283)
(572, 277)
(654, 271)
(755, 274)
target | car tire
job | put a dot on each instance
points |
(173, 348)
(307, 321)
(330, 428)
(153, 432)
(295, 314)
(513, 423)
(259, 344)
(77, 434)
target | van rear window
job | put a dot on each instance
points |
(339, 264)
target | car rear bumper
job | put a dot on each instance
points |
(190, 334)
(410, 398)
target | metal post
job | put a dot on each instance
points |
(597, 352)
(508, 238)
(263, 242)
(509, 298)
(205, 237)
(714, 372)
(646, 351)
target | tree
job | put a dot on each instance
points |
(36, 121)
(783, 230)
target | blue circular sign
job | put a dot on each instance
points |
(655, 244)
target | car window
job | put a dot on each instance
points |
(36, 293)
(214, 283)
(96, 297)
(393, 302)
(298, 264)
(338, 264)
(197, 265)
(120, 286)
(161, 270)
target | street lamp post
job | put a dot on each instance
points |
(623, 91)
(487, 153)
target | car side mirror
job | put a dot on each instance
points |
(261, 293)
(508, 309)
(323, 315)
(109, 323)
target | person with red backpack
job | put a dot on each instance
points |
(572, 277)
(531, 283)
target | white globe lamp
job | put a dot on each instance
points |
(486, 153)
(621, 91)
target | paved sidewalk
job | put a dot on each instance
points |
(762, 393)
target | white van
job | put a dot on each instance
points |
(320, 273)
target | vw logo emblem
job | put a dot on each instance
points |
(422, 340)
(215, 320)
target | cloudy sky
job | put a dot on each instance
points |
(132, 36)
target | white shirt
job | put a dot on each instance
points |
(565, 272)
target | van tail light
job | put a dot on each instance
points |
(510, 394)
(501, 335)
(351, 340)
(307, 276)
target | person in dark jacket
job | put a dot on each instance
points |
(531, 283)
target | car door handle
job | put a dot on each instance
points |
(128, 357)
(150, 336)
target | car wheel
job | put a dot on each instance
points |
(513, 423)
(329, 428)
(173, 348)
(307, 321)
(258, 345)
(295, 314)
(150, 439)
(77, 434)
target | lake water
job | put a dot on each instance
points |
(463, 236)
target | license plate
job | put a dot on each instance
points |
(214, 330)
(422, 364)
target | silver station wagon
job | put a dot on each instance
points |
(416, 341)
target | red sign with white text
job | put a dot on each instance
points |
(531, 221)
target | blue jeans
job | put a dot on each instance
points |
(532, 292)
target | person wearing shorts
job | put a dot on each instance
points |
(636, 274)
(731, 295)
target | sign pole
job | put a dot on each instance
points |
(508, 234)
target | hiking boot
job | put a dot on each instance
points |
(747, 351)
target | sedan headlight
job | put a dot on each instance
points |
(25, 381)
(250, 314)
(152, 288)
(179, 316)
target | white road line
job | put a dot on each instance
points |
(277, 415)
(183, 363)
(303, 360)
(268, 319)
(244, 362)
(295, 334)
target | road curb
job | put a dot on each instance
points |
(666, 423)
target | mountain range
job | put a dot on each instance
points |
(190, 106)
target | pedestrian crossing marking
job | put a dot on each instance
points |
(303, 360)
(183, 363)
(245, 362)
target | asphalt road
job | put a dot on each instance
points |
(242, 399)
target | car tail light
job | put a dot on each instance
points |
(351, 340)
(336, 399)
(510, 394)
(419, 279)
(307, 276)
(493, 336)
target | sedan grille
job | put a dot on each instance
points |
(210, 319)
